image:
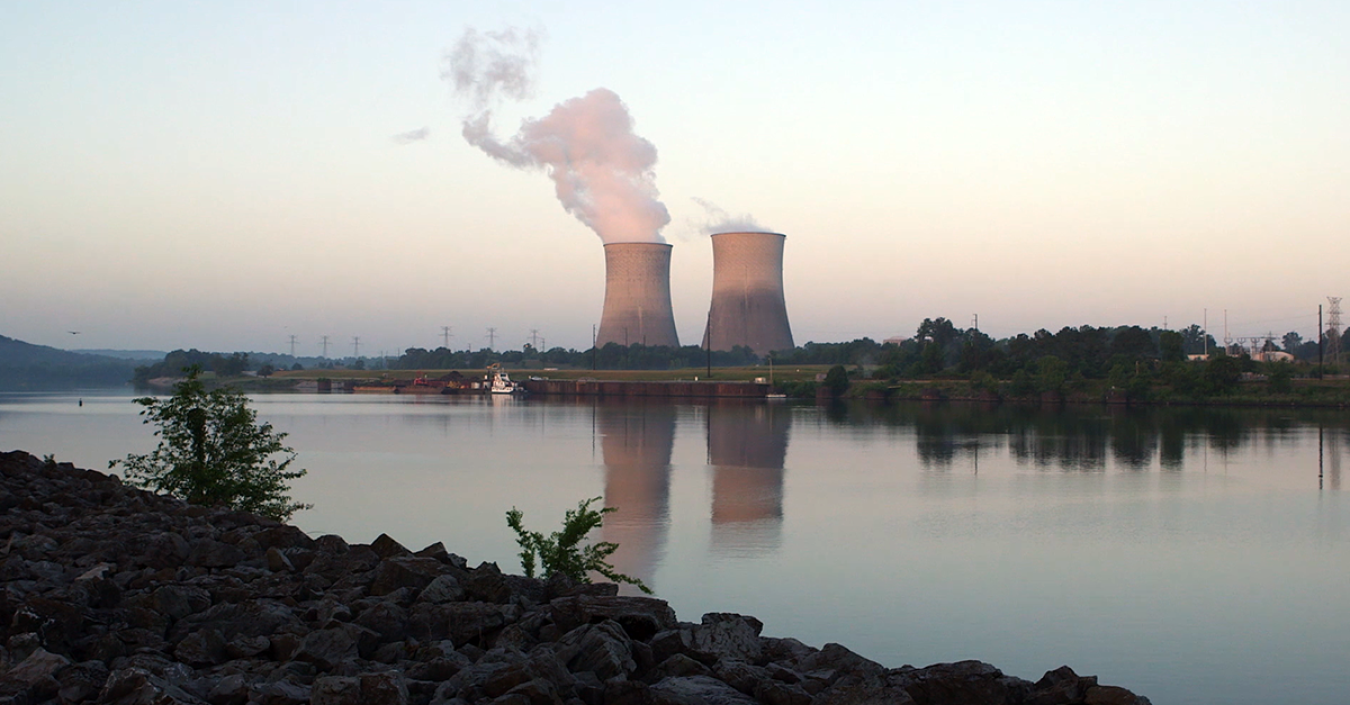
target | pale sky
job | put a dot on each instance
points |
(226, 175)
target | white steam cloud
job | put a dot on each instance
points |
(717, 220)
(412, 136)
(602, 172)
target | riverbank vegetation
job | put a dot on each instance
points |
(213, 452)
(1122, 364)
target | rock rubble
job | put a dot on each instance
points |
(116, 595)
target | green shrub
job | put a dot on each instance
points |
(561, 552)
(798, 388)
(1281, 376)
(836, 380)
(213, 452)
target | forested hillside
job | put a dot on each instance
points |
(24, 366)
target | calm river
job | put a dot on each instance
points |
(1194, 556)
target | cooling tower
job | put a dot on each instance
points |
(637, 296)
(747, 299)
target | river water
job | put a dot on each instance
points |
(1192, 555)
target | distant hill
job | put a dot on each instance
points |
(24, 366)
(137, 355)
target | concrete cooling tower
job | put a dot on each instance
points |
(747, 299)
(637, 296)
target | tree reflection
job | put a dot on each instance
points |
(1080, 438)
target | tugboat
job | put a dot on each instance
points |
(501, 382)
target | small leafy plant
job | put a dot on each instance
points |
(561, 552)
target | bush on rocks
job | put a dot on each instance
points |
(101, 605)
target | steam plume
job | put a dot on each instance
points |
(411, 136)
(720, 221)
(602, 172)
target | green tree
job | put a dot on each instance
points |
(836, 380)
(1280, 375)
(1052, 374)
(1222, 374)
(561, 552)
(1173, 346)
(931, 359)
(1134, 342)
(212, 451)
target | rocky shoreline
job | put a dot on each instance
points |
(119, 596)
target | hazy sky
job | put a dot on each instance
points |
(226, 175)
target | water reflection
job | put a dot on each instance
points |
(1328, 459)
(747, 446)
(1091, 439)
(636, 440)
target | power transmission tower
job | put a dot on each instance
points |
(356, 346)
(534, 338)
(325, 346)
(445, 334)
(1334, 329)
(492, 338)
(292, 346)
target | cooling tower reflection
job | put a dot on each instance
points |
(636, 442)
(747, 443)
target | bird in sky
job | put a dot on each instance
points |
(73, 332)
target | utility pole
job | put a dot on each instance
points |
(593, 340)
(977, 321)
(325, 346)
(356, 346)
(1320, 336)
(707, 335)
(445, 335)
(1206, 332)
(292, 346)
(492, 337)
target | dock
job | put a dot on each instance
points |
(628, 389)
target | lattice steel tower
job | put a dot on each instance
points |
(1334, 329)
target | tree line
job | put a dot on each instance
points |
(1126, 356)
